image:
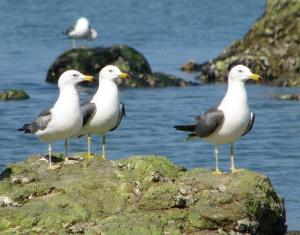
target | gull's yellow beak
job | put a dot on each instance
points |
(255, 77)
(88, 78)
(124, 76)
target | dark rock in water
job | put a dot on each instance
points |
(271, 48)
(13, 94)
(189, 66)
(92, 60)
(138, 195)
(288, 97)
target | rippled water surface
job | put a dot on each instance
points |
(168, 33)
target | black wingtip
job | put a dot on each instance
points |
(189, 128)
(26, 128)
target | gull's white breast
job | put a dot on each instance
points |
(107, 109)
(66, 118)
(236, 116)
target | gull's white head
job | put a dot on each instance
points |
(82, 22)
(112, 73)
(242, 73)
(72, 77)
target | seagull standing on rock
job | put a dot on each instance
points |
(104, 112)
(228, 121)
(64, 119)
(81, 30)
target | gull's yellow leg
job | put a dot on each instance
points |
(103, 148)
(90, 156)
(66, 150)
(49, 155)
(217, 171)
(232, 168)
(51, 167)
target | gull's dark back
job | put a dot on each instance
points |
(122, 113)
(88, 110)
(206, 123)
(40, 123)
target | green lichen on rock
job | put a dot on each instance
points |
(138, 195)
(270, 48)
(13, 94)
(92, 60)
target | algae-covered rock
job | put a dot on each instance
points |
(138, 195)
(288, 97)
(271, 48)
(13, 94)
(92, 60)
(189, 66)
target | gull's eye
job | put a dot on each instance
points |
(240, 71)
(74, 75)
(110, 70)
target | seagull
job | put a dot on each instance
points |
(81, 30)
(228, 121)
(64, 119)
(104, 112)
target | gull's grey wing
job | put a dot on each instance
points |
(206, 124)
(122, 113)
(88, 110)
(250, 124)
(70, 29)
(39, 124)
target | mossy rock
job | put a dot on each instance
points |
(13, 94)
(270, 48)
(295, 97)
(138, 195)
(92, 60)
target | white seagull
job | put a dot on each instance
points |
(81, 30)
(64, 119)
(104, 112)
(228, 121)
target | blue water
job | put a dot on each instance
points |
(168, 33)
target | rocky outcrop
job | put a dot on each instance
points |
(92, 60)
(13, 94)
(288, 97)
(190, 66)
(138, 195)
(271, 48)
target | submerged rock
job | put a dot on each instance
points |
(271, 48)
(92, 60)
(13, 94)
(288, 97)
(189, 66)
(138, 195)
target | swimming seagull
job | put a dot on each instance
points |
(64, 119)
(104, 112)
(231, 119)
(81, 30)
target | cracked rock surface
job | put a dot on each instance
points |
(138, 195)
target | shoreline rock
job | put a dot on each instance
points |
(190, 66)
(92, 60)
(270, 48)
(13, 94)
(295, 97)
(138, 195)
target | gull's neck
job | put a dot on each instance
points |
(69, 94)
(236, 94)
(107, 89)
